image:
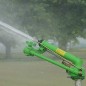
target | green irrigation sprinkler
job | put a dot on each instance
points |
(72, 64)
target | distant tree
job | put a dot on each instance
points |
(63, 19)
(68, 19)
(8, 41)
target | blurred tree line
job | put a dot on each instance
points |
(63, 20)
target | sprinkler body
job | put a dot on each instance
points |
(72, 64)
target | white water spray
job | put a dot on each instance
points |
(8, 28)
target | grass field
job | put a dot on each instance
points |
(35, 73)
(22, 71)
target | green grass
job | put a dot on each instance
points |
(36, 73)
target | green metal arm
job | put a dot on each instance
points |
(76, 71)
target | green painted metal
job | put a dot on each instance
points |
(77, 61)
(33, 53)
(75, 72)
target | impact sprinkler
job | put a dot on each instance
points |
(72, 64)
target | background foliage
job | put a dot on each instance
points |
(63, 20)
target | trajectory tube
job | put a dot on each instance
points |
(76, 61)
